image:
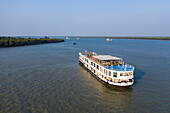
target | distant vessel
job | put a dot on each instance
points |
(108, 40)
(77, 38)
(67, 37)
(109, 69)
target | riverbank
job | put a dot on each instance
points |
(142, 38)
(19, 41)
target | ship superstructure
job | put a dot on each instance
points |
(110, 69)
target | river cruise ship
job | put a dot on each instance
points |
(109, 69)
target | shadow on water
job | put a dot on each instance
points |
(138, 75)
(118, 89)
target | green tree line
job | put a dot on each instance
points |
(19, 41)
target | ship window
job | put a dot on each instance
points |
(91, 63)
(100, 69)
(130, 73)
(109, 73)
(114, 74)
(87, 60)
(106, 72)
(121, 74)
(126, 74)
(97, 66)
(94, 65)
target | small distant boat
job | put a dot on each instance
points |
(109, 40)
(67, 38)
(77, 38)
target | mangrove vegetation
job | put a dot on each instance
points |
(19, 41)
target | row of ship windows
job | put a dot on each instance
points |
(107, 72)
(101, 69)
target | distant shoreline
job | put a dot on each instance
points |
(142, 38)
(19, 41)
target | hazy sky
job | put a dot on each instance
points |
(85, 17)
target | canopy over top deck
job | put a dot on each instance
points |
(107, 57)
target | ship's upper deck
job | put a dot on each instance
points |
(120, 67)
(109, 62)
(106, 57)
(102, 59)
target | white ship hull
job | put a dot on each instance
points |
(108, 75)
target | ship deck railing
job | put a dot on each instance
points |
(120, 67)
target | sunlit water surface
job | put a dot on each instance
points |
(48, 79)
